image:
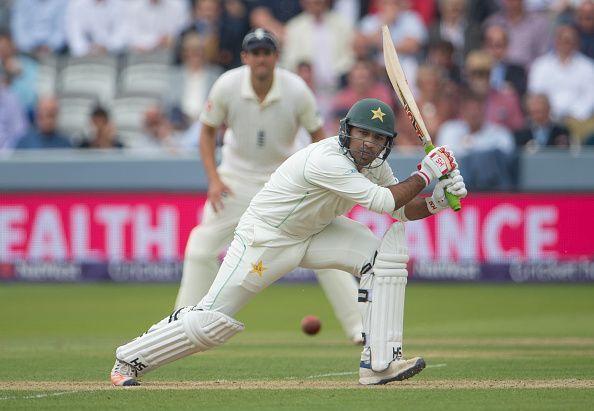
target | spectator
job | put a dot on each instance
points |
(485, 150)
(45, 134)
(477, 11)
(322, 37)
(441, 56)
(154, 24)
(191, 82)
(13, 122)
(584, 24)
(38, 26)
(103, 133)
(21, 72)
(473, 132)
(501, 106)
(5, 8)
(273, 15)
(426, 9)
(158, 130)
(206, 19)
(435, 101)
(95, 27)
(529, 33)
(454, 27)
(234, 27)
(407, 30)
(362, 83)
(540, 130)
(503, 74)
(566, 77)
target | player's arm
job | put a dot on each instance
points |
(439, 162)
(317, 135)
(422, 207)
(208, 145)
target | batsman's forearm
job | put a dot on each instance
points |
(417, 209)
(406, 190)
(208, 146)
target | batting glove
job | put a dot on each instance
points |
(454, 184)
(440, 161)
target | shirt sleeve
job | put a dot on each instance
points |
(344, 180)
(386, 175)
(215, 110)
(309, 115)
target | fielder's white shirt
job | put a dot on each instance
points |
(313, 187)
(260, 136)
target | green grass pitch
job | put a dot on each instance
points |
(504, 347)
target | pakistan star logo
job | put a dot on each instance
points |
(258, 268)
(378, 114)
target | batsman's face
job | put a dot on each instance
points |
(261, 62)
(366, 145)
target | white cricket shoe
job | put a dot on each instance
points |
(123, 374)
(397, 371)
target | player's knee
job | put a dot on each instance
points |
(210, 328)
(200, 245)
(392, 257)
(390, 265)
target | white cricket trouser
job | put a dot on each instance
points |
(248, 269)
(215, 232)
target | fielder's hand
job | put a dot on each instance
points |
(440, 161)
(217, 191)
(454, 184)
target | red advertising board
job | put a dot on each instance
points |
(106, 227)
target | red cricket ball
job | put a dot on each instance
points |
(310, 324)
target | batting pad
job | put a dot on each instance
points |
(382, 291)
(196, 331)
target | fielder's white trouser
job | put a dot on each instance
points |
(252, 265)
(215, 232)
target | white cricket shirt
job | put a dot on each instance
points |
(260, 136)
(316, 185)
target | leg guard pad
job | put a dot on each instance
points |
(382, 292)
(193, 332)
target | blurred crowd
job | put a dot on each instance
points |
(489, 75)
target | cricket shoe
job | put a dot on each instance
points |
(123, 374)
(397, 371)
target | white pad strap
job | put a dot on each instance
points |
(383, 293)
(171, 339)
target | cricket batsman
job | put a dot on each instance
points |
(262, 107)
(296, 220)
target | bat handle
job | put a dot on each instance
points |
(453, 201)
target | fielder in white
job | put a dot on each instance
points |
(262, 107)
(296, 220)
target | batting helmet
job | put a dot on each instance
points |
(370, 114)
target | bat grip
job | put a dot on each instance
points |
(453, 201)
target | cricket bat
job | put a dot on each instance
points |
(406, 98)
